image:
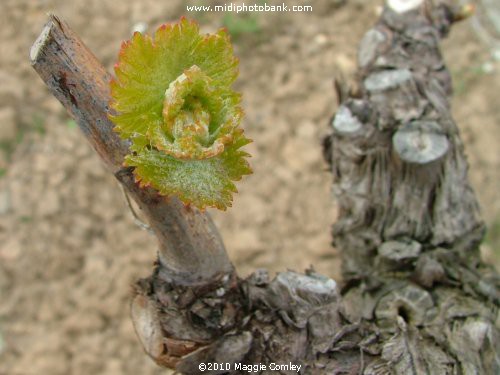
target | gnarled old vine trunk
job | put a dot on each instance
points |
(409, 226)
(415, 299)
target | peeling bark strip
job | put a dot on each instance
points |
(416, 300)
(191, 249)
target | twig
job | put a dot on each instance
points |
(191, 249)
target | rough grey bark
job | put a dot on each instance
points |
(409, 225)
(415, 299)
(400, 170)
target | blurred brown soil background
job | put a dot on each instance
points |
(69, 248)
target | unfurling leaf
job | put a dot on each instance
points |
(173, 100)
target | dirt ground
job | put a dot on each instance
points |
(69, 249)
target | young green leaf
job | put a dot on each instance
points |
(173, 100)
